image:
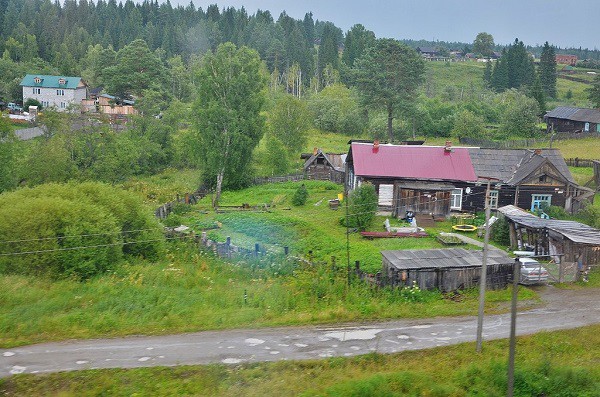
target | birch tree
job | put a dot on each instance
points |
(228, 123)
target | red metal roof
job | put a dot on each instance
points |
(412, 162)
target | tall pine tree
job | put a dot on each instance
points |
(547, 70)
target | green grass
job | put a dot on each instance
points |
(582, 175)
(191, 291)
(587, 148)
(312, 227)
(547, 364)
(460, 75)
(163, 187)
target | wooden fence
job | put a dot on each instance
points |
(596, 165)
(277, 179)
(188, 198)
(534, 143)
(577, 162)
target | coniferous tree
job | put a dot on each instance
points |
(328, 51)
(547, 70)
(594, 92)
(537, 93)
(487, 74)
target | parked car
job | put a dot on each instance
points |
(532, 272)
(14, 108)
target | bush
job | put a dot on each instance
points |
(300, 196)
(363, 206)
(73, 230)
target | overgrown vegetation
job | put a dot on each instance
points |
(74, 230)
(189, 290)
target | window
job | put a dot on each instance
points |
(62, 81)
(539, 201)
(45, 104)
(386, 195)
(586, 127)
(493, 199)
(543, 178)
(456, 199)
(37, 90)
(63, 105)
(60, 92)
(37, 80)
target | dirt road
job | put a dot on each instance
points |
(563, 309)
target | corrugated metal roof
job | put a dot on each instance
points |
(412, 162)
(50, 81)
(574, 231)
(443, 258)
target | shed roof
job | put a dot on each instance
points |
(412, 162)
(336, 160)
(442, 258)
(574, 231)
(47, 81)
(575, 114)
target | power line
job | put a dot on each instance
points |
(85, 247)
(73, 236)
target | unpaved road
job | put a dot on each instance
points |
(563, 309)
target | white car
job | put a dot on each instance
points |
(532, 272)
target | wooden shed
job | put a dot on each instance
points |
(448, 269)
(325, 166)
(564, 241)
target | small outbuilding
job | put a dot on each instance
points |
(322, 166)
(563, 241)
(448, 269)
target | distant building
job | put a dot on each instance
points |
(54, 91)
(566, 59)
(574, 120)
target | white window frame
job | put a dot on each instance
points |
(37, 91)
(542, 198)
(63, 105)
(453, 195)
(60, 92)
(494, 194)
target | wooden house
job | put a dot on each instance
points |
(447, 269)
(573, 120)
(421, 179)
(563, 241)
(322, 166)
(524, 178)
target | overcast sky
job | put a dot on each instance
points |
(571, 23)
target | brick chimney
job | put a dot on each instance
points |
(375, 145)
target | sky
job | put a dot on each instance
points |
(571, 23)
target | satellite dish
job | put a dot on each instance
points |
(468, 190)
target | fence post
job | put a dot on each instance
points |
(256, 249)
(286, 250)
(228, 246)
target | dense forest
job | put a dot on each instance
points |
(315, 76)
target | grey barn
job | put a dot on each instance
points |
(448, 269)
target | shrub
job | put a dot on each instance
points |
(300, 196)
(73, 230)
(363, 206)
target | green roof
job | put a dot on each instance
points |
(46, 81)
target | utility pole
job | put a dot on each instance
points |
(483, 278)
(513, 329)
